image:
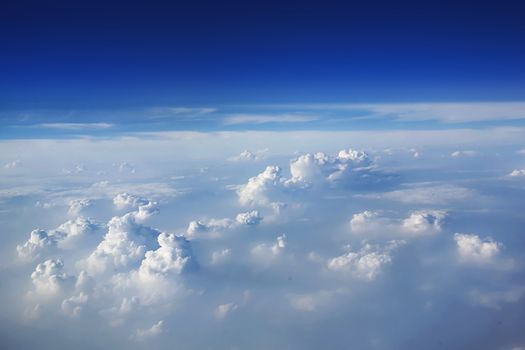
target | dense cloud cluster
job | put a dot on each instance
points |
(313, 248)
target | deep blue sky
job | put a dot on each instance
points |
(121, 54)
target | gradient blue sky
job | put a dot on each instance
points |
(109, 62)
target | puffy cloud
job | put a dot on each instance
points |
(517, 172)
(76, 206)
(74, 305)
(148, 333)
(124, 244)
(467, 153)
(365, 263)
(311, 168)
(419, 222)
(256, 191)
(172, 257)
(248, 156)
(220, 256)
(67, 235)
(126, 201)
(267, 251)
(472, 249)
(49, 279)
(250, 218)
(306, 170)
(39, 242)
(424, 221)
(223, 310)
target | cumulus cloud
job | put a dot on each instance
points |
(265, 252)
(74, 305)
(148, 333)
(49, 279)
(246, 156)
(418, 223)
(473, 249)
(220, 256)
(67, 235)
(467, 153)
(124, 244)
(365, 263)
(517, 172)
(173, 256)
(223, 310)
(422, 221)
(76, 206)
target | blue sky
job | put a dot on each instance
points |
(92, 55)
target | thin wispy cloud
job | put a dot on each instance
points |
(74, 126)
(263, 119)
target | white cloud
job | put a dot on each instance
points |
(265, 252)
(172, 257)
(220, 256)
(424, 221)
(223, 310)
(427, 194)
(495, 299)
(250, 218)
(419, 222)
(256, 191)
(76, 206)
(66, 236)
(124, 244)
(148, 333)
(49, 279)
(246, 156)
(365, 263)
(468, 153)
(263, 119)
(75, 126)
(517, 172)
(74, 305)
(12, 164)
(473, 249)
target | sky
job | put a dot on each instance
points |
(262, 175)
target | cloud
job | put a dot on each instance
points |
(265, 252)
(76, 206)
(148, 333)
(74, 126)
(263, 119)
(249, 218)
(256, 191)
(68, 235)
(495, 299)
(473, 249)
(125, 243)
(246, 155)
(49, 279)
(457, 154)
(223, 310)
(173, 256)
(517, 173)
(12, 164)
(73, 306)
(220, 256)
(424, 221)
(426, 194)
(418, 223)
(365, 263)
